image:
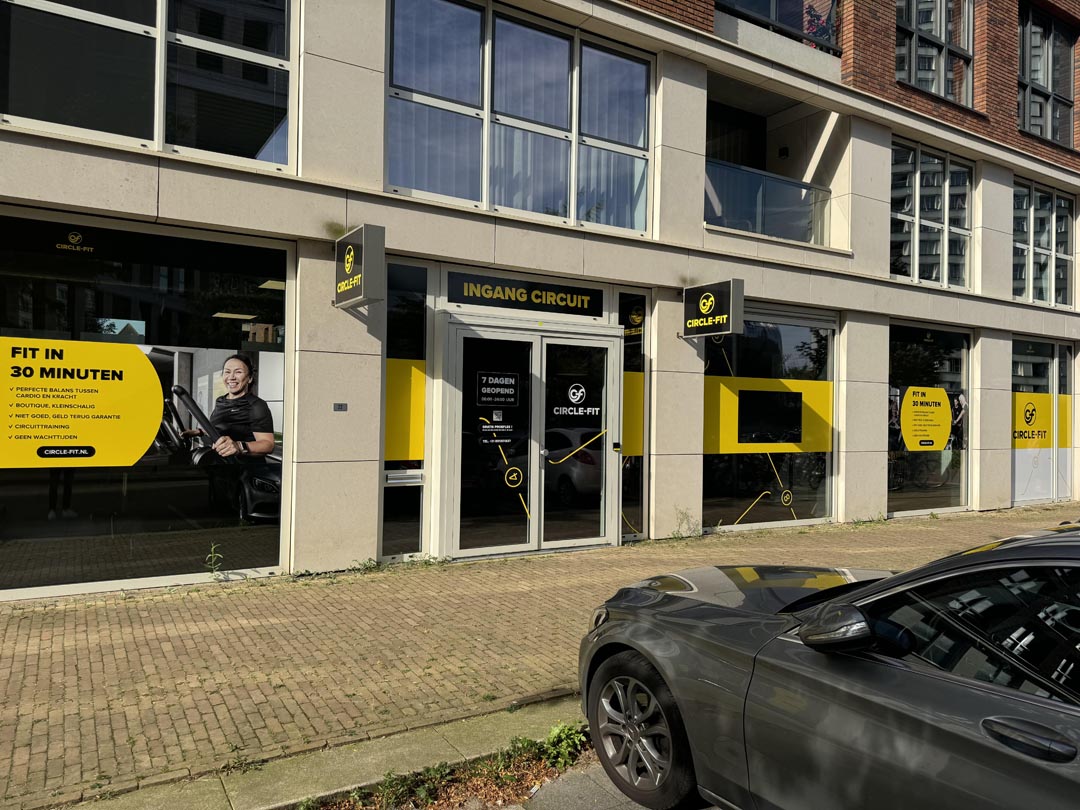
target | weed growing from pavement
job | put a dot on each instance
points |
(506, 777)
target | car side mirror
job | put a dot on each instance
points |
(836, 627)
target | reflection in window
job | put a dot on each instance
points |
(1042, 244)
(931, 196)
(224, 105)
(927, 470)
(1045, 95)
(934, 47)
(257, 25)
(188, 305)
(1017, 627)
(528, 127)
(774, 374)
(65, 71)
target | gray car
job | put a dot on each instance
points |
(955, 685)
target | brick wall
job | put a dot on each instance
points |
(867, 36)
(696, 13)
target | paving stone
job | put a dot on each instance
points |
(126, 686)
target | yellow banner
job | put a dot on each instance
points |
(925, 418)
(1064, 420)
(76, 403)
(633, 413)
(722, 415)
(1033, 421)
(406, 381)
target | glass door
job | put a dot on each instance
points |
(576, 442)
(532, 434)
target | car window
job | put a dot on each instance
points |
(556, 441)
(1017, 627)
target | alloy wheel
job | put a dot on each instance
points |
(634, 733)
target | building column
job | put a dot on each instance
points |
(990, 422)
(676, 428)
(862, 416)
(336, 505)
(679, 154)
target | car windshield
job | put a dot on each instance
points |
(817, 597)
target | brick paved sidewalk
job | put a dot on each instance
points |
(100, 693)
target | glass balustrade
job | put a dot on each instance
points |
(759, 202)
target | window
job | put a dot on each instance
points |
(1014, 627)
(1042, 245)
(1045, 94)
(934, 46)
(558, 125)
(95, 66)
(931, 196)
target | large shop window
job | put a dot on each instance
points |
(768, 425)
(124, 354)
(406, 397)
(557, 126)
(928, 409)
(220, 84)
(934, 46)
(1044, 100)
(931, 219)
(1042, 421)
(1042, 245)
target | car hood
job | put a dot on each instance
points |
(754, 588)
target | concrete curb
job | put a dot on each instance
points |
(282, 783)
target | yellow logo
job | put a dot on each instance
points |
(350, 258)
(637, 315)
(706, 303)
(513, 477)
(75, 237)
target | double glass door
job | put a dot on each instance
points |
(533, 440)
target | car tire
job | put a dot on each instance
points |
(566, 492)
(644, 751)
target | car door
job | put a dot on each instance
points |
(969, 701)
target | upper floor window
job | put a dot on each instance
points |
(218, 83)
(1045, 94)
(931, 217)
(555, 123)
(934, 44)
(812, 20)
(1042, 245)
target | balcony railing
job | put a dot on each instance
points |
(811, 20)
(768, 204)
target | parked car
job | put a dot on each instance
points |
(574, 464)
(954, 685)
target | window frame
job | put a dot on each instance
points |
(489, 118)
(1051, 253)
(939, 41)
(1050, 96)
(944, 228)
(163, 37)
(1065, 701)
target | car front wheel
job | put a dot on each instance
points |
(639, 736)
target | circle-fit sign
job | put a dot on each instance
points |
(1029, 414)
(706, 304)
(576, 393)
(350, 259)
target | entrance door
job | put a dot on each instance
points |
(531, 427)
(1042, 418)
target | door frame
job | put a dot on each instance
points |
(450, 329)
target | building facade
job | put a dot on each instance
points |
(549, 176)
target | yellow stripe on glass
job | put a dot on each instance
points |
(722, 415)
(1064, 420)
(633, 413)
(405, 389)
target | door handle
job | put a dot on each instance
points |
(1031, 739)
(616, 446)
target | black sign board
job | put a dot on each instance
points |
(360, 274)
(713, 309)
(537, 296)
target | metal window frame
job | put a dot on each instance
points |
(946, 229)
(1052, 253)
(488, 117)
(160, 32)
(1027, 87)
(939, 40)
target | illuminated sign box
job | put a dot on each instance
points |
(713, 309)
